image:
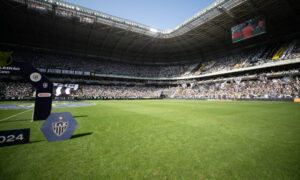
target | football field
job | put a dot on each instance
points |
(161, 139)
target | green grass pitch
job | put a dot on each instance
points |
(162, 139)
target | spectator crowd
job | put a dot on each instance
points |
(243, 58)
(277, 87)
(14, 89)
(285, 87)
(118, 91)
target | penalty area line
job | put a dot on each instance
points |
(14, 115)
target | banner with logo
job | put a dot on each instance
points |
(59, 126)
(44, 87)
(14, 137)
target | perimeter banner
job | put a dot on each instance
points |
(296, 99)
(14, 137)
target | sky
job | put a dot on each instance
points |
(159, 14)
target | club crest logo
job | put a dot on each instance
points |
(35, 77)
(60, 127)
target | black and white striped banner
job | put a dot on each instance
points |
(64, 89)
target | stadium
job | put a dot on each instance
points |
(216, 97)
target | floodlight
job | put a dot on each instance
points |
(153, 30)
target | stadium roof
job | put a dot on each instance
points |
(62, 26)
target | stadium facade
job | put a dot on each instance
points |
(73, 44)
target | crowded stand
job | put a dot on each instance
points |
(15, 89)
(253, 57)
(245, 58)
(18, 90)
(96, 91)
(276, 88)
(284, 87)
(101, 66)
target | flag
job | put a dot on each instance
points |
(238, 80)
(65, 89)
(286, 79)
(192, 85)
(223, 85)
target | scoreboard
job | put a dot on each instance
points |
(248, 29)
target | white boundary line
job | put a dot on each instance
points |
(15, 115)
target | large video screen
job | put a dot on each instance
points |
(253, 27)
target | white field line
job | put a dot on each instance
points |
(15, 115)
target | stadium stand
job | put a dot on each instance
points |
(248, 58)
(285, 88)
(282, 85)
(54, 61)
(106, 58)
(16, 90)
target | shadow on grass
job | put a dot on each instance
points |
(37, 141)
(80, 116)
(10, 121)
(81, 135)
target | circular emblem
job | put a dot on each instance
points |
(35, 77)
